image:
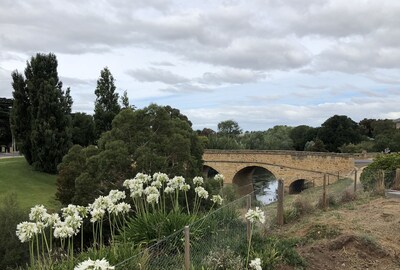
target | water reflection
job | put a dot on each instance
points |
(268, 193)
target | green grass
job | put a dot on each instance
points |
(31, 187)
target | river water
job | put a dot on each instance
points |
(268, 192)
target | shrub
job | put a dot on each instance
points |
(331, 201)
(223, 259)
(321, 231)
(12, 251)
(347, 196)
(302, 206)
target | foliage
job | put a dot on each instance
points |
(149, 140)
(339, 130)
(278, 138)
(41, 118)
(125, 101)
(223, 142)
(5, 129)
(223, 259)
(106, 106)
(321, 231)
(31, 187)
(254, 140)
(229, 127)
(315, 146)
(300, 135)
(82, 129)
(273, 250)
(388, 163)
(12, 252)
(368, 146)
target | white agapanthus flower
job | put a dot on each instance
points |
(97, 214)
(37, 213)
(162, 177)
(156, 183)
(219, 177)
(201, 192)
(51, 219)
(62, 230)
(122, 208)
(255, 215)
(217, 199)
(70, 210)
(169, 190)
(74, 221)
(151, 190)
(83, 211)
(184, 187)
(255, 264)
(153, 198)
(26, 230)
(102, 202)
(198, 180)
(116, 195)
(89, 264)
(145, 178)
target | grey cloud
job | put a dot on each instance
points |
(186, 88)
(163, 63)
(232, 76)
(5, 83)
(68, 81)
(156, 75)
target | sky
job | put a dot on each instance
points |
(259, 62)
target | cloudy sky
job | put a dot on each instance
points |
(259, 62)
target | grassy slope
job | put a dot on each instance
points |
(31, 187)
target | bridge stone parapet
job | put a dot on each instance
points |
(289, 166)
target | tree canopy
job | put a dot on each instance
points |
(41, 113)
(106, 106)
(5, 129)
(149, 140)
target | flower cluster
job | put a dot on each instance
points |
(219, 177)
(255, 264)
(201, 192)
(255, 215)
(89, 264)
(26, 230)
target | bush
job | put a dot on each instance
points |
(347, 196)
(273, 251)
(322, 231)
(12, 251)
(223, 259)
(331, 201)
(302, 206)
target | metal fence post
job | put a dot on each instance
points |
(187, 248)
(248, 224)
(279, 214)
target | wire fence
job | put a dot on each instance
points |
(218, 230)
(226, 230)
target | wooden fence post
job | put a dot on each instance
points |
(248, 224)
(328, 179)
(396, 184)
(380, 183)
(355, 181)
(324, 194)
(338, 176)
(279, 213)
(187, 248)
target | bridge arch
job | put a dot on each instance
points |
(246, 178)
(209, 172)
(299, 185)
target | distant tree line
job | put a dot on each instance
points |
(338, 133)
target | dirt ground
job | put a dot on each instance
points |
(359, 235)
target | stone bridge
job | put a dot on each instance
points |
(297, 169)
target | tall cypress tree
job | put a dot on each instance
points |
(20, 116)
(48, 111)
(106, 104)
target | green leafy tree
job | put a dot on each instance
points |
(337, 131)
(125, 101)
(278, 138)
(82, 129)
(21, 117)
(387, 163)
(106, 106)
(5, 129)
(223, 142)
(148, 140)
(300, 135)
(229, 127)
(41, 103)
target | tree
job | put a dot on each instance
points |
(125, 101)
(82, 129)
(255, 140)
(302, 134)
(41, 113)
(337, 131)
(5, 129)
(106, 106)
(148, 140)
(229, 127)
(278, 138)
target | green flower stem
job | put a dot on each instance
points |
(82, 237)
(187, 203)
(31, 255)
(249, 246)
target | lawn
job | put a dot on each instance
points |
(31, 187)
